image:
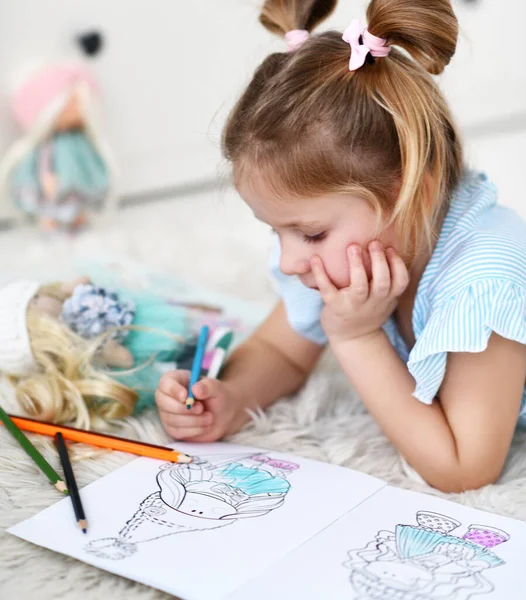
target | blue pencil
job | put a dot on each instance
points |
(197, 364)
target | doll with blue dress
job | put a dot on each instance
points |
(60, 169)
(79, 353)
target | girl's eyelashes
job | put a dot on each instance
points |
(312, 239)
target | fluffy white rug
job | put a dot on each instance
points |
(209, 239)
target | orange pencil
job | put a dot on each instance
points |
(102, 440)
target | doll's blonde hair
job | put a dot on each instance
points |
(70, 385)
(310, 127)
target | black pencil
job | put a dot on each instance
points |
(70, 482)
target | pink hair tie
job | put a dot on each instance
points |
(362, 42)
(295, 38)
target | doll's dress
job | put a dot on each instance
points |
(83, 179)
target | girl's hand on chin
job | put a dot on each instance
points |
(365, 305)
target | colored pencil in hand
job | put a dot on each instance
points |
(197, 364)
(220, 352)
(103, 440)
(34, 454)
(71, 482)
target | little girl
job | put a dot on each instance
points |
(390, 250)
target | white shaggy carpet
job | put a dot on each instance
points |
(209, 239)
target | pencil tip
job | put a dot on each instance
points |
(61, 487)
(83, 524)
(84, 531)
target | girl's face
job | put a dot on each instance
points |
(324, 226)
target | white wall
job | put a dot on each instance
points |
(168, 67)
(171, 70)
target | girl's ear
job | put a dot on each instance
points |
(68, 286)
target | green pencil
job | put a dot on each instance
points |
(40, 461)
(221, 349)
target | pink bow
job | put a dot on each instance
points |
(370, 43)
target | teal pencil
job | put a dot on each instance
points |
(196, 366)
(220, 353)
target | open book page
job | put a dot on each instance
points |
(401, 545)
(201, 530)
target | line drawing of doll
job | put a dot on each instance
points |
(426, 562)
(209, 493)
(61, 168)
(78, 353)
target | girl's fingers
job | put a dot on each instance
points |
(357, 273)
(184, 428)
(381, 276)
(175, 384)
(187, 433)
(325, 285)
(188, 421)
(399, 273)
(171, 405)
(206, 388)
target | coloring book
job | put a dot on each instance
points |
(242, 523)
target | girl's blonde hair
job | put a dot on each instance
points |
(70, 385)
(310, 127)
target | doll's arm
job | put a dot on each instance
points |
(47, 177)
(116, 355)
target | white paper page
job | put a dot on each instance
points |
(239, 511)
(401, 545)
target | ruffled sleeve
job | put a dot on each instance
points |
(303, 305)
(464, 323)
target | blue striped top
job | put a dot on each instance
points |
(474, 284)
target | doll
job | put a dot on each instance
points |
(77, 353)
(61, 167)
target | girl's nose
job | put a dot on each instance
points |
(293, 263)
